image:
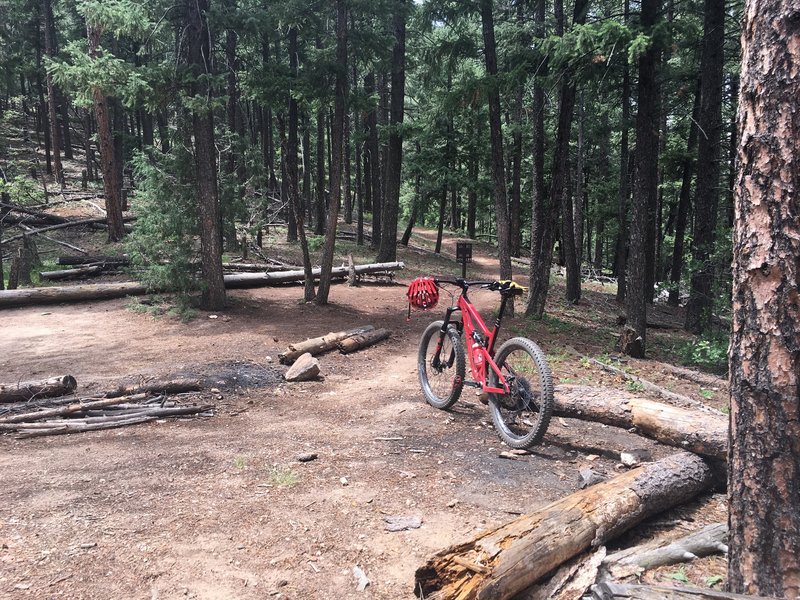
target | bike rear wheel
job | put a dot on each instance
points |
(521, 417)
(441, 374)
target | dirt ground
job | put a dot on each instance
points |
(220, 507)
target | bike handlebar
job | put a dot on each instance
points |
(462, 283)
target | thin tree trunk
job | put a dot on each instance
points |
(52, 101)
(112, 185)
(199, 61)
(542, 224)
(496, 140)
(44, 120)
(764, 470)
(701, 301)
(621, 249)
(684, 200)
(337, 138)
(292, 171)
(319, 221)
(373, 152)
(578, 199)
(387, 251)
(440, 225)
(645, 187)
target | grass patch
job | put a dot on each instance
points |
(178, 307)
(283, 476)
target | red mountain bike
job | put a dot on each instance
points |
(516, 376)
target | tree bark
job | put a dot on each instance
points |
(362, 340)
(621, 250)
(503, 562)
(764, 474)
(701, 302)
(372, 155)
(623, 591)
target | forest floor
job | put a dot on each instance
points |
(220, 507)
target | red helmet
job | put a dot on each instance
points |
(423, 293)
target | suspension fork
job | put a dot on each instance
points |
(437, 361)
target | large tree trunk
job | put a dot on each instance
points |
(645, 187)
(199, 61)
(502, 562)
(701, 302)
(496, 140)
(372, 156)
(112, 183)
(764, 473)
(394, 158)
(337, 137)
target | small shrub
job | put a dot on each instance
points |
(710, 352)
(315, 242)
(283, 476)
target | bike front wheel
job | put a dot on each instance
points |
(521, 416)
(441, 374)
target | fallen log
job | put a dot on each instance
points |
(104, 291)
(49, 388)
(161, 386)
(319, 345)
(93, 260)
(72, 293)
(505, 561)
(256, 267)
(708, 540)
(621, 591)
(647, 385)
(362, 340)
(245, 280)
(76, 223)
(704, 434)
(74, 407)
(85, 271)
(41, 216)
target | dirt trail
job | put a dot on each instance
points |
(220, 507)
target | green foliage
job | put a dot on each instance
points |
(162, 245)
(679, 575)
(178, 307)
(714, 580)
(709, 351)
(22, 189)
(315, 242)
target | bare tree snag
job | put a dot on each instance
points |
(362, 340)
(49, 388)
(619, 591)
(505, 561)
(703, 434)
(318, 345)
(711, 539)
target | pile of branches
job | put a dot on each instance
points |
(74, 415)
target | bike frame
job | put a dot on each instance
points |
(479, 339)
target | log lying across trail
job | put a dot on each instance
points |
(505, 561)
(319, 345)
(49, 388)
(102, 291)
(703, 433)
